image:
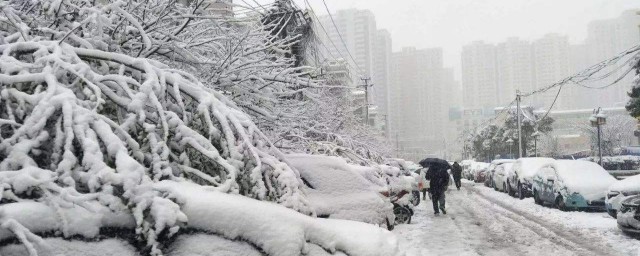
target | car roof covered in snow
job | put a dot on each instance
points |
(502, 161)
(330, 173)
(584, 177)
(528, 166)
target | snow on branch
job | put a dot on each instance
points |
(83, 125)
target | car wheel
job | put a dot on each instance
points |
(560, 204)
(536, 198)
(504, 187)
(493, 184)
(389, 225)
(403, 215)
(613, 213)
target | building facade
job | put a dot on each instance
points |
(418, 101)
(479, 75)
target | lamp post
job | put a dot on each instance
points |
(535, 136)
(510, 143)
(597, 119)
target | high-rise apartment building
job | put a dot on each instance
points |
(354, 35)
(515, 69)
(551, 64)
(381, 75)
(479, 75)
(419, 101)
(605, 39)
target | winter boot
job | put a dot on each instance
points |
(443, 211)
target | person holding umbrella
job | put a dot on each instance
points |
(438, 177)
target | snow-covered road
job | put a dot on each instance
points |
(481, 221)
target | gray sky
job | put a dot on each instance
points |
(453, 23)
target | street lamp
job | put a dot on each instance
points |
(535, 136)
(510, 143)
(597, 119)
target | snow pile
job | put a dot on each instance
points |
(205, 244)
(586, 178)
(341, 191)
(275, 229)
(62, 247)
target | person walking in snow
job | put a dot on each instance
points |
(456, 171)
(438, 182)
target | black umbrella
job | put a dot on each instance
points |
(435, 163)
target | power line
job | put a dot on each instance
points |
(329, 37)
(587, 74)
(340, 35)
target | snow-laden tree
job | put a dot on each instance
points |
(90, 114)
(618, 132)
(327, 121)
(493, 140)
(633, 106)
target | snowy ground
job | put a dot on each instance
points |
(481, 221)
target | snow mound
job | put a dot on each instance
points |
(61, 247)
(205, 244)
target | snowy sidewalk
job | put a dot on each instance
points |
(483, 222)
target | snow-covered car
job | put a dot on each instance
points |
(489, 181)
(467, 169)
(619, 191)
(629, 215)
(338, 190)
(480, 174)
(500, 176)
(520, 180)
(572, 185)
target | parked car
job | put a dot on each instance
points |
(339, 190)
(572, 185)
(467, 168)
(629, 216)
(619, 191)
(479, 175)
(489, 182)
(519, 183)
(500, 176)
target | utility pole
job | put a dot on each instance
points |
(366, 86)
(518, 99)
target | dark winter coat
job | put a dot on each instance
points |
(456, 171)
(438, 179)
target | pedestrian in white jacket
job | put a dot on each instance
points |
(425, 183)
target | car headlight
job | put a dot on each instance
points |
(624, 208)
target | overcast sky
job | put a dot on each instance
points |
(453, 23)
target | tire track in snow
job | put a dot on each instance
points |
(571, 240)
